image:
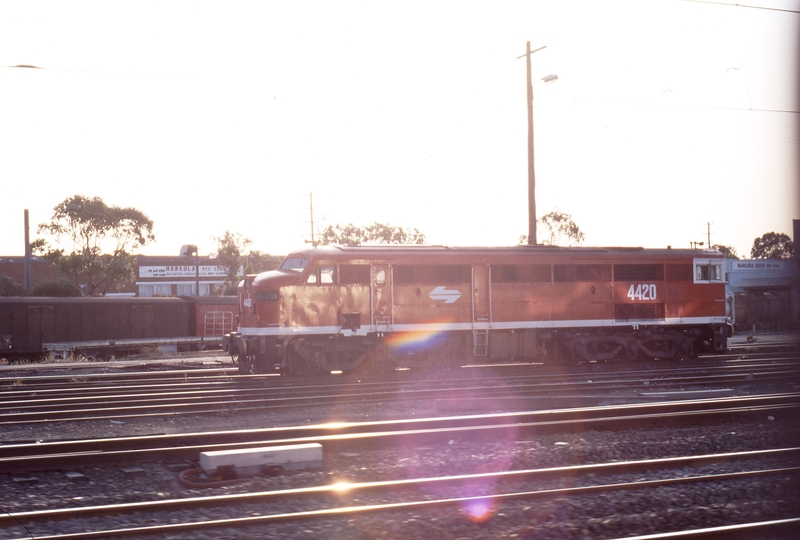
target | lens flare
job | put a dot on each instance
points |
(479, 510)
(417, 340)
(342, 486)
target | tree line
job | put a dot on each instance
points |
(93, 244)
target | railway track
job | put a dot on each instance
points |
(462, 500)
(580, 471)
(33, 400)
(59, 454)
(489, 491)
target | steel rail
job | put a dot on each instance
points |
(39, 382)
(507, 418)
(571, 472)
(741, 531)
(334, 437)
(22, 386)
(416, 504)
(24, 411)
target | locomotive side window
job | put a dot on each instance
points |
(266, 296)
(433, 274)
(638, 272)
(324, 275)
(708, 272)
(581, 272)
(327, 275)
(296, 264)
(380, 277)
(521, 273)
(354, 274)
(679, 272)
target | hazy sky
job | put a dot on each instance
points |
(207, 116)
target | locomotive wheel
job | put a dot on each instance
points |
(632, 352)
(245, 364)
(418, 360)
(378, 360)
(663, 347)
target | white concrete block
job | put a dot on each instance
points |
(249, 461)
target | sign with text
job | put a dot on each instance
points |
(761, 265)
(176, 271)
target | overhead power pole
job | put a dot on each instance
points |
(28, 254)
(531, 168)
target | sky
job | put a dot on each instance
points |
(669, 118)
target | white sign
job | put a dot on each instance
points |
(441, 293)
(185, 270)
(749, 265)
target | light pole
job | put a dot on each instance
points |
(191, 249)
(531, 168)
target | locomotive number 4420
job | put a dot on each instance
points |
(642, 292)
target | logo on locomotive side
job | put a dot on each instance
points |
(441, 293)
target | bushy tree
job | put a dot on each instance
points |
(377, 233)
(57, 287)
(230, 255)
(257, 262)
(772, 246)
(554, 227)
(343, 235)
(728, 251)
(9, 287)
(100, 237)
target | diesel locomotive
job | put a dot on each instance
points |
(386, 307)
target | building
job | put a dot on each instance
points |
(41, 270)
(179, 275)
(763, 292)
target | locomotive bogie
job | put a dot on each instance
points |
(341, 308)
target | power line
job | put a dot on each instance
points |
(721, 107)
(748, 6)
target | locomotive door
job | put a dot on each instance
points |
(481, 297)
(381, 288)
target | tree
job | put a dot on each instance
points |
(555, 226)
(377, 233)
(728, 251)
(93, 226)
(257, 262)
(772, 246)
(57, 287)
(344, 235)
(381, 233)
(230, 248)
(9, 287)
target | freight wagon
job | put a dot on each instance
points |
(100, 328)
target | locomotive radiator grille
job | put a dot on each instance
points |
(627, 312)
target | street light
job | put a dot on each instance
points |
(531, 168)
(191, 249)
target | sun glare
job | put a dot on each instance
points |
(342, 486)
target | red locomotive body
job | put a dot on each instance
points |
(338, 308)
